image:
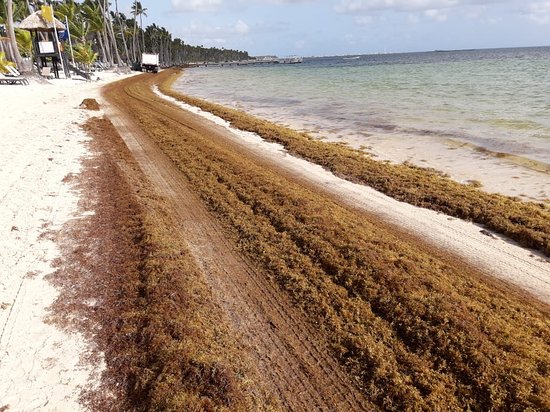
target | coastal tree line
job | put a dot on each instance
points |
(99, 31)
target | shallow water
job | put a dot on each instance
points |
(496, 99)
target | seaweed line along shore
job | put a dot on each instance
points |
(169, 253)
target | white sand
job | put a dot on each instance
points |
(492, 254)
(40, 365)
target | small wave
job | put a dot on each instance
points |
(513, 124)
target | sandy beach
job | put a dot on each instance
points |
(494, 254)
(44, 367)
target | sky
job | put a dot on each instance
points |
(349, 27)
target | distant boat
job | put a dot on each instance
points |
(451, 51)
(352, 58)
(291, 60)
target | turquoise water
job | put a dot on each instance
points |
(496, 99)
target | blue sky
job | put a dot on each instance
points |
(339, 27)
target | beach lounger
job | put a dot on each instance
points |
(14, 74)
(13, 80)
(12, 71)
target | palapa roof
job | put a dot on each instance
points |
(36, 22)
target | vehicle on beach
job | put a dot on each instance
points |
(150, 62)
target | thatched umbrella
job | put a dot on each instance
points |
(35, 22)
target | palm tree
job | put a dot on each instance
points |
(93, 24)
(11, 36)
(122, 30)
(141, 14)
(24, 42)
(134, 7)
(28, 5)
(109, 31)
(138, 10)
(95, 19)
(18, 9)
(78, 26)
(84, 54)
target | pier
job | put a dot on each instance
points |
(251, 62)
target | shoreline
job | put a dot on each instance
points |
(39, 200)
(495, 172)
(277, 220)
(432, 227)
(491, 171)
(524, 222)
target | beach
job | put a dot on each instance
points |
(43, 367)
(493, 254)
(46, 365)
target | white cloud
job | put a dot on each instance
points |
(361, 6)
(241, 28)
(217, 5)
(217, 34)
(212, 42)
(474, 12)
(285, 1)
(436, 15)
(441, 10)
(196, 5)
(540, 12)
(354, 6)
(350, 39)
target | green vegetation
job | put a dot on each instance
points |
(4, 63)
(419, 332)
(24, 42)
(84, 54)
(116, 38)
(526, 223)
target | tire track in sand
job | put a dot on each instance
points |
(290, 354)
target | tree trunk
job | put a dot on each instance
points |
(11, 36)
(113, 40)
(110, 32)
(107, 44)
(142, 32)
(29, 8)
(102, 46)
(122, 33)
(171, 55)
(161, 55)
(134, 38)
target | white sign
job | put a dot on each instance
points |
(46, 47)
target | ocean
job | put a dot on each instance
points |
(497, 99)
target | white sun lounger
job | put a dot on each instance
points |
(13, 79)
(13, 71)
(14, 74)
